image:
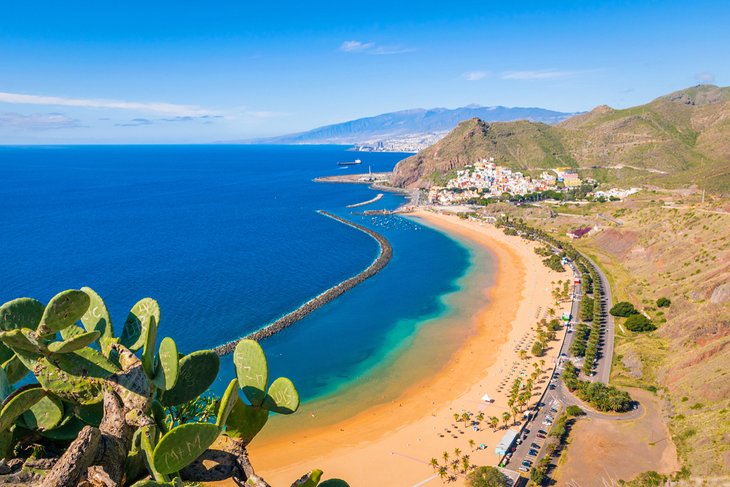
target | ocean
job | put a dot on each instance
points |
(227, 239)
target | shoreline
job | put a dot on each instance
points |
(403, 434)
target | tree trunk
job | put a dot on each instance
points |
(75, 461)
(108, 469)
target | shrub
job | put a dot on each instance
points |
(639, 323)
(663, 302)
(537, 475)
(574, 410)
(553, 262)
(623, 309)
(537, 349)
(646, 479)
(486, 477)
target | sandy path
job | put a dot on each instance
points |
(391, 444)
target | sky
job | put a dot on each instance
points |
(194, 72)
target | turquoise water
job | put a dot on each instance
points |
(227, 239)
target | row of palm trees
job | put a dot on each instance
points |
(453, 465)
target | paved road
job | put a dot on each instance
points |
(603, 369)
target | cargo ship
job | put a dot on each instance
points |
(353, 163)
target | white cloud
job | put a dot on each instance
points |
(356, 46)
(37, 121)
(540, 74)
(372, 48)
(154, 107)
(475, 75)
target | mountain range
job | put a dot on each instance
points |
(680, 138)
(415, 123)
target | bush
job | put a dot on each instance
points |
(646, 479)
(486, 477)
(553, 262)
(639, 323)
(574, 410)
(537, 475)
(537, 349)
(663, 302)
(623, 309)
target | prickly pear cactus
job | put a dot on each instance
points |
(97, 318)
(182, 445)
(134, 331)
(310, 479)
(21, 313)
(252, 370)
(197, 372)
(64, 309)
(44, 415)
(74, 343)
(282, 397)
(18, 403)
(244, 422)
(167, 368)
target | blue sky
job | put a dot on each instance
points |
(185, 71)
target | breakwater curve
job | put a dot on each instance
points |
(384, 255)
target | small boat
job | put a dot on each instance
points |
(352, 163)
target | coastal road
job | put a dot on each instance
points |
(603, 369)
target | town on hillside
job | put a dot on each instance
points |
(484, 180)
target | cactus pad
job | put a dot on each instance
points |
(148, 352)
(64, 309)
(252, 370)
(244, 421)
(198, 371)
(334, 483)
(282, 398)
(182, 445)
(167, 368)
(97, 318)
(14, 369)
(21, 313)
(20, 339)
(5, 387)
(44, 415)
(18, 403)
(134, 331)
(227, 401)
(309, 480)
(74, 343)
(75, 385)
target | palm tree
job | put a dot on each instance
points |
(494, 422)
(472, 443)
(457, 452)
(465, 418)
(523, 354)
(505, 417)
(515, 413)
(480, 416)
(434, 463)
(443, 472)
(456, 417)
(465, 464)
(445, 456)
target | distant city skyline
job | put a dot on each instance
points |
(177, 72)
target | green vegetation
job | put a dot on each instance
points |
(578, 347)
(486, 477)
(663, 302)
(639, 322)
(537, 349)
(574, 411)
(92, 387)
(646, 479)
(623, 309)
(598, 395)
(586, 309)
(553, 262)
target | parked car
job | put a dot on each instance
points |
(532, 453)
(542, 432)
(527, 463)
(535, 446)
(542, 437)
(524, 469)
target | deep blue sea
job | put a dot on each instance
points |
(227, 239)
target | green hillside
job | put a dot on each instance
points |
(678, 139)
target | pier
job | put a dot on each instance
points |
(384, 256)
(373, 200)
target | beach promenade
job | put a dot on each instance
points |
(393, 443)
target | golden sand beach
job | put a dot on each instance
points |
(391, 444)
